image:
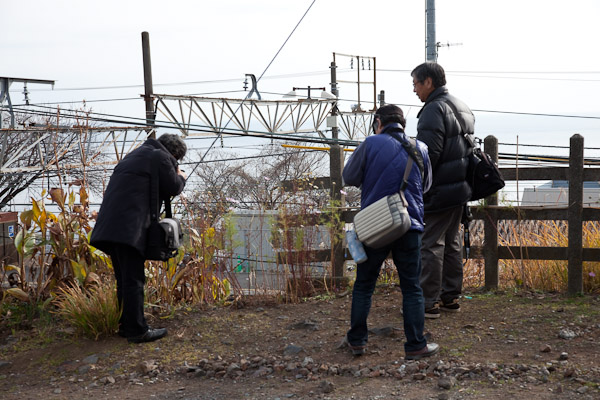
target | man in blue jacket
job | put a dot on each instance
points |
(377, 166)
(439, 128)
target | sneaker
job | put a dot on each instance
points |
(433, 312)
(427, 351)
(453, 306)
(356, 350)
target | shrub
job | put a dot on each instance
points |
(93, 311)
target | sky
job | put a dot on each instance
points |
(505, 57)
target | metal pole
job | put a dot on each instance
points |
(374, 84)
(148, 91)
(336, 164)
(430, 45)
(358, 74)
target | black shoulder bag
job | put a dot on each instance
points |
(483, 175)
(164, 236)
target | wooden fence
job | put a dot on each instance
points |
(574, 213)
(491, 213)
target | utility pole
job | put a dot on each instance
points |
(148, 90)
(430, 42)
(5, 83)
(336, 164)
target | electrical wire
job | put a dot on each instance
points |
(213, 81)
(258, 80)
(198, 128)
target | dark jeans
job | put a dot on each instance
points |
(406, 253)
(128, 265)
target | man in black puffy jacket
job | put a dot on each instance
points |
(123, 221)
(439, 128)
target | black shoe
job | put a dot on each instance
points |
(433, 312)
(150, 336)
(452, 306)
(426, 351)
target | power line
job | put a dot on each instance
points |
(213, 81)
(258, 80)
(326, 72)
(192, 127)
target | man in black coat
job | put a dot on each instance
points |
(123, 220)
(439, 128)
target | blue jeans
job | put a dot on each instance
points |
(406, 253)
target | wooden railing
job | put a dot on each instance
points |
(491, 213)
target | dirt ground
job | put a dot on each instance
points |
(518, 345)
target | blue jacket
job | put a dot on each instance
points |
(377, 167)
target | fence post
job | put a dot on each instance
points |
(336, 165)
(575, 216)
(490, 224)
(336, 161)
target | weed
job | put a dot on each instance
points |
(93, 312)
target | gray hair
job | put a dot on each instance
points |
(174, 144)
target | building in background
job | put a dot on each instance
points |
(556, 193)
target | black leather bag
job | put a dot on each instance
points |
(164, 236)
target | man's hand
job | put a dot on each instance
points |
(182, 173)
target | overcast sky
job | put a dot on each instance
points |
(533, 56)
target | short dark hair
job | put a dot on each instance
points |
(390, 113)
(430, 70)
(174, 144)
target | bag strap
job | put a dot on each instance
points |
(412, 151)
(406, 174)
(155, 203)
(410, 146)
(463, 128)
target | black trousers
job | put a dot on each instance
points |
(128, 265)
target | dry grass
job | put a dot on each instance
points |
(544, 275)
(93, 311)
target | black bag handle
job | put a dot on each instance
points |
(155, 204)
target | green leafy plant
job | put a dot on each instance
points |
(55, 247)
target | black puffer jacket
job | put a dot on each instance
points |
(440, 130)
(124, 215)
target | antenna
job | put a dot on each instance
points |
(447, 44)
(431, 45)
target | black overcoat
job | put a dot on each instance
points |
(124, 215)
